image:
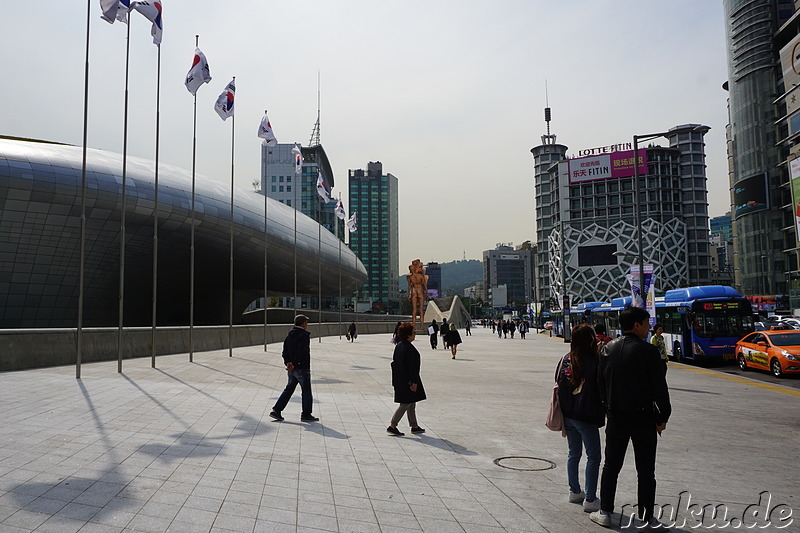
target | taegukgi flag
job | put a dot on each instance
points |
(115, 10)
(298, 160)
(152, 12)
(321, 189)
(224, 105)
(351, 224)
(265, 132)
(340, 212)
(199, 73)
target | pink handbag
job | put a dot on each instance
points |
(555, 418)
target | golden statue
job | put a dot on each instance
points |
(417, 292)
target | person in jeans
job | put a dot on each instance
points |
(579, 398)
(297, 358)
(633, 390)
(408, 388)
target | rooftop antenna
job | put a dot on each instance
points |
(549, 138)
(315, 133)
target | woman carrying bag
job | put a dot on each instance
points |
(579, 398)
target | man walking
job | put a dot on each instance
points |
(634, 393)
(297, 358)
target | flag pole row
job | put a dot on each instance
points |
(199, 74)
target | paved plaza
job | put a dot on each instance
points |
(190, 446)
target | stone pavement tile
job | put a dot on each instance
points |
(7, 528)
(437, 511)
(45, 505)
(275, 490)
(116, 518)
(360, 514)
(201, 502)
(234, 522)
(436, 525)
(207, 491)
(277, 515)
(249, 498)
(265, 526)
(280, 502)
(314, 497)
(163, 510)
(26, 519)
(233, 508)
(79, 511)
(61, 524)
(192, 521)
(92, 527)
(387, 519)
(355, 526)
(478, 517)
(325, 523)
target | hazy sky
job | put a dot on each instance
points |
(448, 94)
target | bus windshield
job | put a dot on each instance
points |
(722, 324)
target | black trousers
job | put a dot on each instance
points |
(641, 430)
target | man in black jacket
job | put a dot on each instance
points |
(634, 392)
(297, 358)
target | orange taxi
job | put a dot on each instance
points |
(776, 350)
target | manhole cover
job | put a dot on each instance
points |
(518, 462)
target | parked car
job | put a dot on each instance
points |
(775, 350)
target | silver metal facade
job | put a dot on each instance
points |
(40, 195)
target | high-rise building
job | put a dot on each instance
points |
(373, 196)
(506, 267)
(586, 224)
(759, 137)
(434, 272)
(278, 181)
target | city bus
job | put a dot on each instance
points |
(700, 323)
(704, 323)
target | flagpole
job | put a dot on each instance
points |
(294, 195)
(122, 225)
(155, 214)
(191, 245)
(340, 270)
(230, 277)
(264, 187)
(83, 195)
(319, 267)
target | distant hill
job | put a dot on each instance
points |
(456, 276)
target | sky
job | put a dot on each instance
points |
(447, 94)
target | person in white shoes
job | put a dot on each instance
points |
(634, 391)
(579, 399)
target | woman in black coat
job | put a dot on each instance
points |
(453, 339)
(408, 389)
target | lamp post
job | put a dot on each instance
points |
(638, 201)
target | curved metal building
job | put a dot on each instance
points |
(40, 209)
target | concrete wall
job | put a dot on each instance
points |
(34, 348)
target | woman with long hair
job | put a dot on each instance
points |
(408, 389)
(453, 339)
(579, 398)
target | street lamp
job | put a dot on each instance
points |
(638, 202)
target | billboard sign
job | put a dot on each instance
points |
(605, 166)
(790, 64)
(794, 175)
(750, 195)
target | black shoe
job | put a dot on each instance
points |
(417, 429)
(276, 415)
(394, 431)
(308, 418)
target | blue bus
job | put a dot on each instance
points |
(701, 324)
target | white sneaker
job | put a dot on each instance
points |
(591, 506)
(601, 517)
(576, 497)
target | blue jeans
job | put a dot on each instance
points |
(580, 434)
(303, 377)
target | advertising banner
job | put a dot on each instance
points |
(794, 174)
(649, 290)
(604, 166)
(750, 195)
(790, 64)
